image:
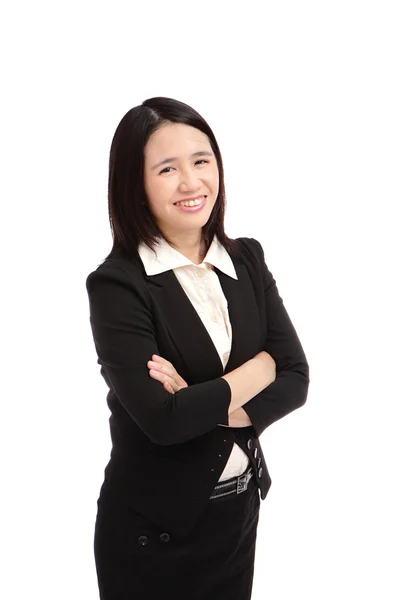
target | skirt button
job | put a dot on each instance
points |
(164, 537)
(143, 540)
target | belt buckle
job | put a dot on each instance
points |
(242, 482)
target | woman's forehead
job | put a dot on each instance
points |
(176, 133)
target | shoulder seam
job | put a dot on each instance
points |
(121, 268)
(253, 247)
(106, 269)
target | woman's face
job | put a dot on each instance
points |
(182, 176)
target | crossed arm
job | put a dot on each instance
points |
(287, 389)
(124, 337)
(162, 370)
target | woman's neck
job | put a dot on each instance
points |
(194, 251)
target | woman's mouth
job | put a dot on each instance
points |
(192, 205)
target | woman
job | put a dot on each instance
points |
(200, 357)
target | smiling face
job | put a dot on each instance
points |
(175, 171)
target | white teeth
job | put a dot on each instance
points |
(190, 203)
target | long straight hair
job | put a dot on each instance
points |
(131, 221)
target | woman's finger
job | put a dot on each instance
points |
(163, 378)
(168, 387)
(168, 369)
(160, 368)
(170, 383)
(158, 375)
(161, 360)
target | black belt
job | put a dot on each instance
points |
(236, 485)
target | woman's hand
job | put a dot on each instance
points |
(162, 370)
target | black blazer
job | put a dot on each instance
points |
(168, 450)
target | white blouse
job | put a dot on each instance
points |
(203, 288)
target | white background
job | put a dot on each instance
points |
(307, 101)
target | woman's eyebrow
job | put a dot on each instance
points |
(171, 159)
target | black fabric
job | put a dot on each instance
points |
(137, 559)
(169, 450)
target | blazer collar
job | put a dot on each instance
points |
(167, 258)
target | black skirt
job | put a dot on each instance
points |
(135, 560)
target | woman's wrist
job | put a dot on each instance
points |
(249, 379)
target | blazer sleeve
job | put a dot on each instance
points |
(289, 390)
(124, 336)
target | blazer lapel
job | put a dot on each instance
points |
(244, 315)
(188, 333)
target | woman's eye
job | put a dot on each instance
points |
(198, 161)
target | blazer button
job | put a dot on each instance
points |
(258, 462)
(249, 444)
(143, 540)
(260, 472)
(255, 452)
(164, 537)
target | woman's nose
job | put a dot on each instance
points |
(189, 180)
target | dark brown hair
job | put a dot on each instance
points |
(130, 218)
